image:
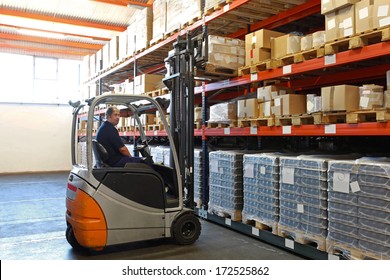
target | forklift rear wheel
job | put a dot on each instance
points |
(72, 239)
(186, 229)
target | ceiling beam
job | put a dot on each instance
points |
(77, 22)
(59, 52)
(57, 42)
(56, 32)
(125, 3)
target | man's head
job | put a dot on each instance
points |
(112, 115)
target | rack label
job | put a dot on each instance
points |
(226, 8)
(226, 130)
(287, 69)
(330, 59)
(253, 130)
(253, 77)
(228, 221)
(330, 129)
(255, 231)
(286, 129)
(289, 243)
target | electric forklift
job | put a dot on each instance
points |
(142, 201)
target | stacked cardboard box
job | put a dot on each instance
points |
(181, 12)
(159, 19)
(225, 183)
(381, 15)
(359, 208)
(266, 96)
(258, 46)
(261, 189)
(224, 52)
(289, 104)
(139, 32)
(339, 18)
(146, 82)
(371, 97)
(247, 109)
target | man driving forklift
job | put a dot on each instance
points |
(108, 136)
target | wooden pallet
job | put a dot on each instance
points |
(222, 124)
(301, 237)
(261, 66)
(218, 6)
(329, 117)
(211, 69)
(198, 124)
(155, 127)
(358, 41)
(270, 226)
(256, 122)
(234, 215)
(295, 120)
(310, 54)
(377, 115)
(158, 39)
(349, 252)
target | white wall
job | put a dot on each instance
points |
(34, 137)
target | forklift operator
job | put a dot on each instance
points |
(108, 136)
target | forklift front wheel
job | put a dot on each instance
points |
(186, 229)
(72, 239)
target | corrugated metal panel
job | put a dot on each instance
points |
(85, 10)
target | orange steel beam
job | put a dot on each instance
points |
(125, 3)
(56, 32)
(50, 41)
(76, 22)
(44, 50)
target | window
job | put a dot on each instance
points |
(30, 79)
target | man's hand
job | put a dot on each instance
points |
(124, 151)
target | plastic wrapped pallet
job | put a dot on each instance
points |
(261, 189)
(223, 112)
(359, 207)
(226, 184)
(303, 198)
(198, 177)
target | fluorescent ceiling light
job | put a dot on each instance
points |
(38, 33)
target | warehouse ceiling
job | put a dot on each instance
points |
(63, 28)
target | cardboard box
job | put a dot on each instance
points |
(388, 79)
(98, 60)
(328, 6)
(260, 39)
(247, 109)
(387, 99)
(114, 49)
(159, 18)
(381, 13)
(122, 45)
(285, 45)
(147, 119)
(313, 103)
(340, 23)
(319, 39)
(307, 42)
(340, 98)
(198, 114)
(265, 109)
(364, 15)
(258, 46)
(146, 82)
(226, 52)
(268, 93)
(223, 112)
(289, 104)
(106, 56)
(371, 96)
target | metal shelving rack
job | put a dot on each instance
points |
(306, 75)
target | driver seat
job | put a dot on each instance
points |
(101, 155)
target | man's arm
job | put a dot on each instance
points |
(124, 151)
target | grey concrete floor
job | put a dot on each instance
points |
(32, 227)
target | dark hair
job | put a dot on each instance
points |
(111, 110)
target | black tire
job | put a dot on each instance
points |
(186, 229)
(72, 239)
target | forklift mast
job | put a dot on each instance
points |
(180, 80)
